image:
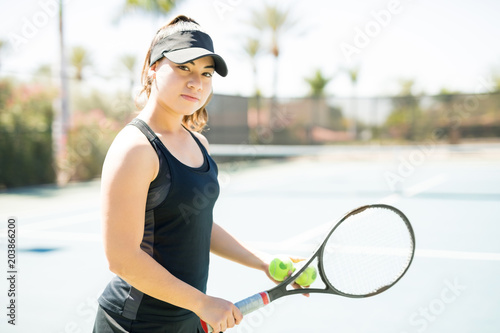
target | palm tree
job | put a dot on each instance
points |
(353, 73)
(155, 8)
(276, 21)
(404, 116)
(252, 49)
(317, 84)
(79, 60)
(158, 7)
(406, 87)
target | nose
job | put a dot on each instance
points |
(195, 83)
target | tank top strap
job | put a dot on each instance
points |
(198, 142)
(144, 128)
(159, 146)
(151, 135)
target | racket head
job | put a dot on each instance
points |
(367, 251)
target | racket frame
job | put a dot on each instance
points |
(281, 289)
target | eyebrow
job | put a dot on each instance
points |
(210, 66)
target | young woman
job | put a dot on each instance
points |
(159, 186)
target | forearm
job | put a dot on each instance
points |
(147, 275)
(225, 245)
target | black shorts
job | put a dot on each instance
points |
(108, 322)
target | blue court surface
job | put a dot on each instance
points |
(450, 194)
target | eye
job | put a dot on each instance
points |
(183, 68)
(208, 74)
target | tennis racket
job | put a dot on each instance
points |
(365, 253)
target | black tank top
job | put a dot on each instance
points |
(177, 232)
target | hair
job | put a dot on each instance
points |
(198, 120)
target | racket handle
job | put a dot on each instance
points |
(246, 306)
(253, 303)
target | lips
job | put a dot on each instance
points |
(190, 98)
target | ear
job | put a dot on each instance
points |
(152, 70)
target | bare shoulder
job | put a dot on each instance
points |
(203, 140)
(131, 152)
(130, 141)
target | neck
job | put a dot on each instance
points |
(161, 119)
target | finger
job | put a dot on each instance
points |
(230, 321)
(238, 316)
(298, 286)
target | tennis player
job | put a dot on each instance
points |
(159, 187)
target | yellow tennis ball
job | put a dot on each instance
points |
(307, 277)
(280, 267)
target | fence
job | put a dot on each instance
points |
(26, 113)
(449, 118)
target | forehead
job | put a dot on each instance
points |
(203, 61)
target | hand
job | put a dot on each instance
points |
(219, 313)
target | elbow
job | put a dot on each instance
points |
(118, 261)
(122, 253)
(115, 265)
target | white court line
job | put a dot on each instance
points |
(463, 255)
(302, 238)
(391, 199)
(56, 222)
(60, 222)
(273, 246)
(425, 185)
(300, 242)
(415, 189)
(59, 236)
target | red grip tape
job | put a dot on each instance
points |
(265, 297)
(204, 326)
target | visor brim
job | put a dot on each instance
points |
(190, 54)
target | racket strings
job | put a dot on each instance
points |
(368, 251)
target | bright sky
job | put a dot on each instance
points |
(449, 44)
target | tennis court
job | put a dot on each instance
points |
(451, 194)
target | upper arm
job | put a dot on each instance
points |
(130, 166)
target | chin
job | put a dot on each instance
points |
(192, 112)
(184, 113)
